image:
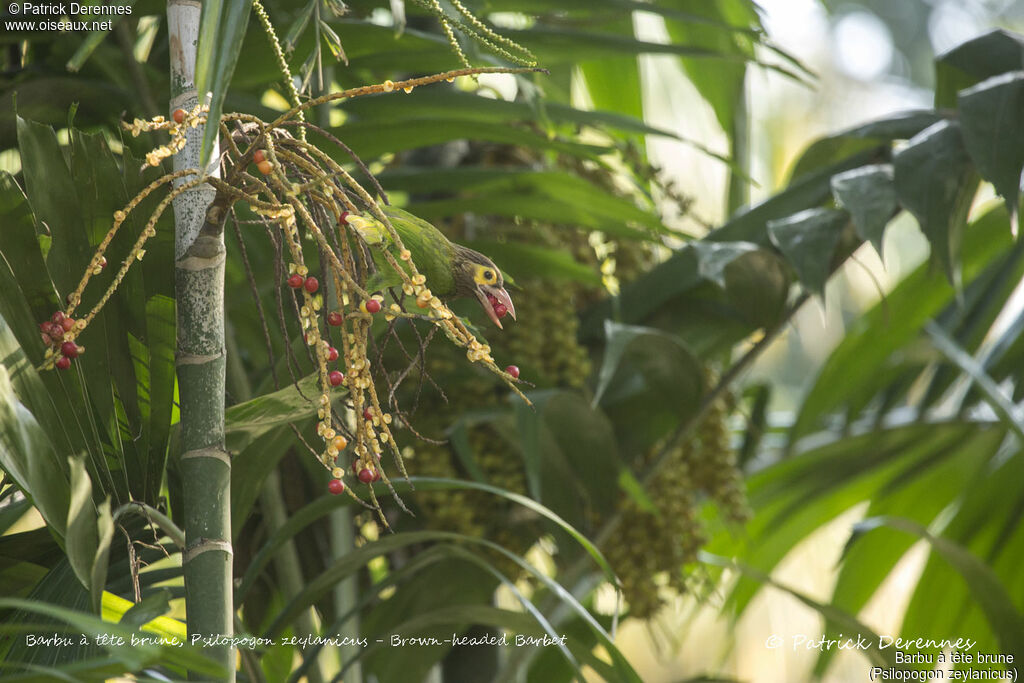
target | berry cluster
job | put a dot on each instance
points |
(58, 335)
(500, 309)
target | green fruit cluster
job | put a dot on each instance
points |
(713, 465)
(543, 344)
(653, 547)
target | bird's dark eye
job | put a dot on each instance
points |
(488, 275)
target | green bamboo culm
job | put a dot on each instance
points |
(199, 289)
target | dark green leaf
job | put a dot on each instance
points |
(991, 54)
(936, 181)
(54, 199)
(869, 194)
(809, 240)
(618, 340)
(20, 247)
(990, 116)
(588, 443)
(655, 383)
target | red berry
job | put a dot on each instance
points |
(336, 486)
(311, 284)
(57, 317)
(46, 339)
(335, 378)
(179, 115)
(366, 475)
(258, 156)
(295, 281)
(69, 349)
(63, 363)
(332, 354)
(334, 319)
(67, 324)
(44, 326)
(356, 466)
(265, 167)
(367, 415)
(376, 475)
(500, 310)
(103, 261)
(493, 300)
(513, 370)
(56, 331)
(343, 218)
(372, 306)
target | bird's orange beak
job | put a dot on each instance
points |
(496, 303)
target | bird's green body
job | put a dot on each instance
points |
(432, 252)
(451, 270)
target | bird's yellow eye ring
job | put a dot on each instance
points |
(485, 275)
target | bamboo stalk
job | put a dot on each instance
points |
(199, 290)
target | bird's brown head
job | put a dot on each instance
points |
(477, 276)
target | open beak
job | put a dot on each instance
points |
(484, 294)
